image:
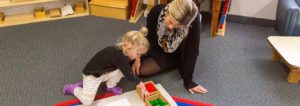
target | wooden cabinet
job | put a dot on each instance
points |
(117, 9)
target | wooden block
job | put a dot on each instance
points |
(294, 76)
(39, 13)
(139, 91)
(2, 16)
(155, 97)
(221, 32)
(79, 7)
(55, 12)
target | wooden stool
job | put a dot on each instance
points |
(287, 48)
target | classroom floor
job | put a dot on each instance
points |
(38, 59)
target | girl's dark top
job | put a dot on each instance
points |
(186, 53)
(108, 60)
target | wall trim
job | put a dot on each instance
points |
(251, 20)
(242, 20)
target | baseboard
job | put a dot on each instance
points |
(251, 20)
(206, 16)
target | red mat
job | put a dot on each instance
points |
(77, 102)
(179, 101)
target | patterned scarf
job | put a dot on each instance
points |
(170, 40)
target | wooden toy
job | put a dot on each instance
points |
(2, 16)
(136, 11)
(39, 13)
(149, 87)
(156, 100)
(55, 12)
(79, 7)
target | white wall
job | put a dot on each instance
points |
(265, 9)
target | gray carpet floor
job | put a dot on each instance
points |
(37, 60)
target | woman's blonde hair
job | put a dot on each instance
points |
(136, 38)
(183, 11)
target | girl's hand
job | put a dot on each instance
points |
(145, 93)
(142, 86)
(198, 89)
(136, 66)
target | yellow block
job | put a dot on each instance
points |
(54, 12)
(79, 7)
(117, 9)
(39, 13)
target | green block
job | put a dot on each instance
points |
(151, 102)
(155, 102)
(160, 101)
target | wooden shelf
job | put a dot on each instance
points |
(25, 17)
(219, 14)
(29, 18)
(216, 8)
(24, 3)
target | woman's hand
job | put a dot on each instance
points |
(136, 66)
(198, 89)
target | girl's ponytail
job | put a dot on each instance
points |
(144, 31)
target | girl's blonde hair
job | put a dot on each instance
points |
(183, 11)
(136, 38)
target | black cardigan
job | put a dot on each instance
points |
(109, 59)
(189, 48)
